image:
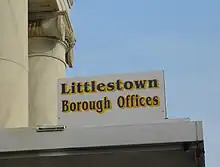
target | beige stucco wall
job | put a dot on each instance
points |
(46, 66)
(13, 63)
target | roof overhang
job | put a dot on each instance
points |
(185, 154)
(169, 143)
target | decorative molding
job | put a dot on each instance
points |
(49, 5)
(70, 2)
(50, 18)
(53, 25)
(64, 5)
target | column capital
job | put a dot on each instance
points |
(50, 18)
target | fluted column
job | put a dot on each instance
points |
(51, 42)
(13, 63)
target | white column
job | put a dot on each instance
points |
(47, 65)
(49, 54)
(13, 63)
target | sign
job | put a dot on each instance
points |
(123, 99)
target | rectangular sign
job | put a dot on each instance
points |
(124, 99)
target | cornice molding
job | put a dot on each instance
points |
(49, 5)
(65, 4)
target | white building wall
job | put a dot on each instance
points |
(13, 63)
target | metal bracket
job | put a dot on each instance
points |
(199, 153)
(50, 128)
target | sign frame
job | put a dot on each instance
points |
(86, 118)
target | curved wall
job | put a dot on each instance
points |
(13, 63)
